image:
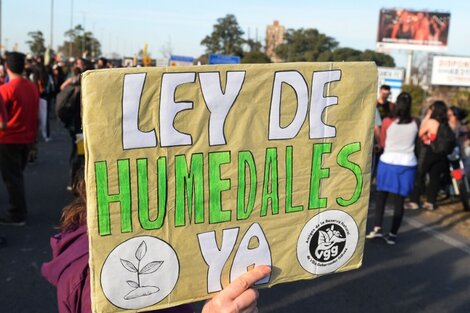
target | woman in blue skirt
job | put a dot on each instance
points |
(397, 166)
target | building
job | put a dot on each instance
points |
(274, 37)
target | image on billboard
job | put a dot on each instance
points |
(413, 30)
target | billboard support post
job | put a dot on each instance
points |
(409, 63)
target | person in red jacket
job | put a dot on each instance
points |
(21, 102)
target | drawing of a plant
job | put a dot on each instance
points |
(152, 267)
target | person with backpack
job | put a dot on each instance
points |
(397, 166)
(437, 140)
(68, 111)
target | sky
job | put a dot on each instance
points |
(124, 26)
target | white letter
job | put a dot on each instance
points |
(218, 102)
(169, 108)
(246, 257)
(132, 137)
(318, 103)
(214, 257)
(295, 80)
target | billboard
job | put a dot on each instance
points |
(450, 71)
(392, 77)
(209, 170)
(413, 30)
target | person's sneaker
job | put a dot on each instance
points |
(391, 239)
(376, 233)
(411, 206)
(12, 222)
(429, 206)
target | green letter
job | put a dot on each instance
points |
(270, 178)
(343, 161)
(317, 174)
(289, 170)
(245, 159)
(193, 180)
(142, 187)
(103, 197)
(216, 186)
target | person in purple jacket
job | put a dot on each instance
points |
(69, 272)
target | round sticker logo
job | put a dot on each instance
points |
(139, 272)
(327, 242)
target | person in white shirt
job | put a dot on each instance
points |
(397, 166)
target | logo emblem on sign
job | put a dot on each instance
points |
(139, 272)
(327, 242)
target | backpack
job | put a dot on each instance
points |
(65, 105)
(445, 140)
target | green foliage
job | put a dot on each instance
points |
(300, 45)
(253, 45)
(311, 45)
(81, 42)
(461, 99)
(226, 37)
(255, 57)
(381, 59)
(203, 59)
(418, 95)
(305, 45)
(36, 43)
(351, 55)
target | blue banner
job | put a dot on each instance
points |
(223, 59)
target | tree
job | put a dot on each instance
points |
(304, 45)
(381, 59)
(80, 43)
(226, 37)
(462, 99)
(255, 57)
(352, 55)
(255, 53)
(311, 45)
(36, 43)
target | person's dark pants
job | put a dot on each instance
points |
(398, 203)
(13, 159)
(76, 162)
(436, 166)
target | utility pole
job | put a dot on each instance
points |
(409, 64)
(52, 25)
(71, 28)
(83, 36)
(1, 20)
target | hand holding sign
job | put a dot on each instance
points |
(238, 296)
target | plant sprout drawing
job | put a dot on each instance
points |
(328, 239)
(152, 267)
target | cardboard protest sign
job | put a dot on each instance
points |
(196, 174)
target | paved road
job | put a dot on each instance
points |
(427, 271)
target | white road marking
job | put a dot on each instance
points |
(437, 234)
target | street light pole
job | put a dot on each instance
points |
(71, 28)
(1, 20)
(52, 25)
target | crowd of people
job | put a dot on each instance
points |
(412, 156)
